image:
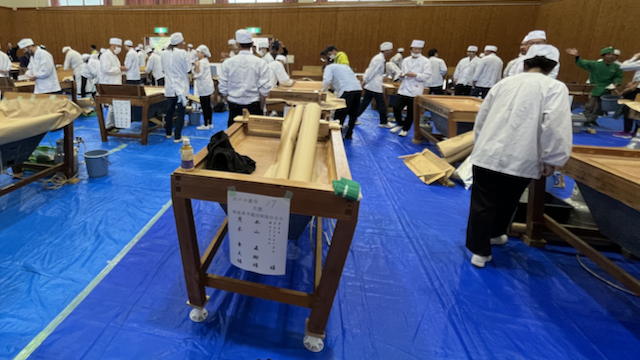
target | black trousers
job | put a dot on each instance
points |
(173, 103)
(236, 110)
(480, 91)
(352, 98)
(494, 198)
(436, 90)
(83, 87)
(133, 82)
(205, 102)
(380, 104)
(463, 89)
(398, 105)
(159, 82)
(628, 123)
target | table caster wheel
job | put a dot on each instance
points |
(198, 315)
(313, 344)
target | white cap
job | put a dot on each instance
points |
(244, 36)
(546, 50)
(103, 50)
(190, 46)
(176, 38)
(86, 57)
(617, 52)
(148, 50)
(400, 49)
(25, 42)
(65, 49)
(232, 42)
(263, 43)
(128, 43)
(205, 50)
(472, 48)
(141, 46)
(386, 46)
(491, 48)
(115, 41)
(417, 44)
(281, 58)
(536, 34)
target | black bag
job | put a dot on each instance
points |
(220, 107)
(223, 157)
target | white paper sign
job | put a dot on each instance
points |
(122, 113)
(258, 232)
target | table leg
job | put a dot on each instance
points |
(334, 264)
(144, 137)
(535, 214)
(103, 129)
(417, 136)
(189, 250)
(69, 156)
(452, 127)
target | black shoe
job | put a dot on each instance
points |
(348, 138)
(595, 123)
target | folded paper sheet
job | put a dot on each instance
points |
(428, 167)
(22, 119)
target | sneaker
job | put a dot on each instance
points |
(396, 129)
(203, 127)
(480, 261)
(387, 126)
(500, 240)
(623, 135)
(178, 140)
(403, 133)
(358, 122)
(210, 126)
(169, 136)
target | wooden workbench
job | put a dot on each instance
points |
(613, 173)
(450, 109)
(301, 91)
(143, 96)
(315, 198)
(313, 75)
(8, 85)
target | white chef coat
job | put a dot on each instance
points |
(73, 60)
(44, 69)
(176, 65)
(277, 74)
(341, 78)
(132, 62)
(90, 72)
(93, 66)
(488, 71)
(110, 72)
(632, 64)
(244, 78)
(193, 55)
(268, 58)
(438, 71)
(518, 68)
(414, 86)
(154, 65)
(510, 64)
(464, 71)
(204, 79)
(374, 74)
(5, 63)
(397, 59)
(142, 57)
(523, 123)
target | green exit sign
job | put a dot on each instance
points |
(255, 30)
(161, 30)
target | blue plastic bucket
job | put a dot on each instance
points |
(194, 118)
(97, 163)
(610, 102)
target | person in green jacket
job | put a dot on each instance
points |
(605, 75)
(338, 57)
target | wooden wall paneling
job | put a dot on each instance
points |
(6, 19)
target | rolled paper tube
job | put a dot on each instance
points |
(305, 153)
(451, 147)
(286, 124)
(285, 158)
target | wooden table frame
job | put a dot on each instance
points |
(605, 181)
(8, 85)
(580, 92)
(138, 97)
(423, 102)
(295, 94)
(308, 199)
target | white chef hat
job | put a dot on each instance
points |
(546, 50)
(491, 48)
(617, 52)
(65, 49)
(115, 41)
(176, 38)
(190, 46)
(417, 44)
(103, 50)
(400, 50)
(263, 43)
(387, 45)
(86, 57)
(148, 50)
(244, 36)
(141, 46)
(526, 39)
(536, 34)
(205, 50)
(472, 48)
(128, 43)
(232, 42)
(281, 58)
(25, 42)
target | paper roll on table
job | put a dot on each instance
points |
(305, 153)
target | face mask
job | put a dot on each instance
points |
(117, 50)
(323, 60)
(415, 55)
(332, 56)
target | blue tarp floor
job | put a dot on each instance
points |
(408, 290)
